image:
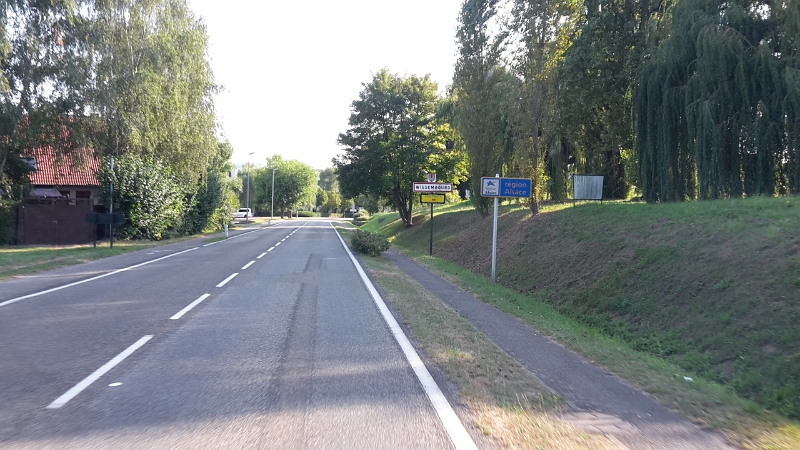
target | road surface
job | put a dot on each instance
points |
(268, 339)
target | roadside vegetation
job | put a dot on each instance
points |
(653, 293)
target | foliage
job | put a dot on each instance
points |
(372, 244)
(718, 99)
(307, 214)
(595, 99)
(392, 135)
(370, 203)
(361, 215)
(8, 222)
(333, 203)
(204, 203)
(322, 197)
(42, 84)
(327, 180)
(152, 84)
(146, 193)
(295, 185)
(478, 98)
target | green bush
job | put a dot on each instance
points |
(372, 244)
(361, 215)
(307, 214)
(8, 220)
(147, 194)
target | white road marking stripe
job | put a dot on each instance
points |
(455, 429)
(36, 294)
(211, 243)
(248, 265)
(86, 382)
(189, 307)
(259, 256)
(225, 281)
(270, 249)
(277, 244)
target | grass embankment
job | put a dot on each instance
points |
(709, 290)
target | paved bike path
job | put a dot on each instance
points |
(601, 402)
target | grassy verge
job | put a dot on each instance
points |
(653, 293)
(508, 403)
(17, 261)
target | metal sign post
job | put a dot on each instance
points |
(502, 187)
(431, 198)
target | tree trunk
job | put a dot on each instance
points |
(403, 207)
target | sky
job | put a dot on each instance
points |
(290, 69)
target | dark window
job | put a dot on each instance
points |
(83, 194)
(65, 194)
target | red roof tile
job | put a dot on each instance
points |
(79, 168)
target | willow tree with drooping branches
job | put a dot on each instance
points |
(716, 101)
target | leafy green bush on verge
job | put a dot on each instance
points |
(372, 244)
(307, 214)
(8, 219)
(361, 215)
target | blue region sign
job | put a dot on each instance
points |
(506, 187)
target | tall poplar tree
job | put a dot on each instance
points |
(481, 96)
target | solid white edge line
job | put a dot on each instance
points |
(58, 288)
(261, 255)
(86, 382)
(248, 265)
(225, 281)
(189, 307)
(452, 424)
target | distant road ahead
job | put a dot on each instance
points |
(266, 340)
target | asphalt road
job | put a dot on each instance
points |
(167, 348)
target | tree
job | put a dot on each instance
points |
(716, 105)
(332, 203)
(594, 104)
(392, 136)
(327, 180)
(322, 197)
(152, 85)
(146, 193)
(476, 95)
(295, 184)
(42, 82)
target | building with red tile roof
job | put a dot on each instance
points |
(73, 175)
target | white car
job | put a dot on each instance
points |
(243, 213)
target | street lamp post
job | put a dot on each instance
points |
(247, 216)
(272, 207)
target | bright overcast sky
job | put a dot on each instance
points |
(290, 69)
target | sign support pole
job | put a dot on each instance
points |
(494, 240)
(111, 209)
(430, 253)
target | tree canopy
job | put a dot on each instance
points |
(392, 138)
(295, 185)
